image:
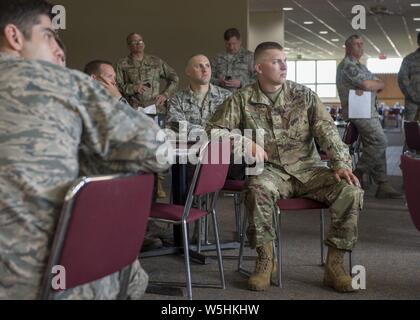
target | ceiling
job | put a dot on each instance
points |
(390, 28)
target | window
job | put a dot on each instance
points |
(389, 65)
(318, 75)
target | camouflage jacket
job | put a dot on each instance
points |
(350, 75)
(51, 118)
(241, 67)
(290, 126)
(409, 78)
(151, 70)
(184, 106)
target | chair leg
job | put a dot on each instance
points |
(124, 282)
(322, 218)
(219, 251)
(187, 259)
(241, 248)
(237, 202)
(277, 226)
(350, 262)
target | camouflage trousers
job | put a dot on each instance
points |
(411, 111)
(345, 203)
(374, 142)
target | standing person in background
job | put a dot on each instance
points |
(233, 69)
(353, 75)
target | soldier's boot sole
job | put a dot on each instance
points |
(342, 284)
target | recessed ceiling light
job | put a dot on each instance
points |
(416, 19)
(415, 4)
(308, 22)
(323, 32)
(335, 40)
(288, 9)
(418, 29)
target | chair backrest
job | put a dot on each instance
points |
(213, 168)
(411, 176)
(101, 228)
(351, 134)
(412, 135)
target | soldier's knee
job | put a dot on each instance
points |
(352, 195)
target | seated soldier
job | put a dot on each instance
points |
(291, 117)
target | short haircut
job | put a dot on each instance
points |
(24, 14)
(130, 35)
(418, 38)
(93, 67)
(350, 39)
(230, 33)
(264, 47)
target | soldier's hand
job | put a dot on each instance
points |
(141, 88)
(110, 87)
(360, 92)
(160, 100)
(259, 153)
(233, 84)
(347, 175)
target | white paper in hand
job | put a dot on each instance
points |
(150, 109)
(360, 106)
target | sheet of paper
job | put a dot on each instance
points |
(360, 106)
(150, 109)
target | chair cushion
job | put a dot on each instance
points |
(300, 204)
(234, 185)
(174, 212)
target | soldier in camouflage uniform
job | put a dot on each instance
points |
(292, 116)
(233, 69)
(197, 103)
(409, 82)
(352, 75)
(50, 118)
(139, 76)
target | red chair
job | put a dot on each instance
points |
(294, 204)
(101, 230)
(412, 135)
(209, 178)
(411, 175)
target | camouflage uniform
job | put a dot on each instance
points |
(51, 116)
(350, 75)
(294, 168)
(184, 106)
(150, 70)
(240, 67)
(409, 81)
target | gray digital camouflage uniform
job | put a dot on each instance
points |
(294, 168)
(49, 118)
(151, 70)
(350, 75)
(240, 67)
(409, 82)
(184, 106)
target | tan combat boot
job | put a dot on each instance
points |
(335, 275)
(265, 269)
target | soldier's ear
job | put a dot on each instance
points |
(13, 37)
(258, 68)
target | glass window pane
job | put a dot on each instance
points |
(327, 90)
(291, 70)
(389, 65)
(310, 86)
(326, 71)
(305, 72)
